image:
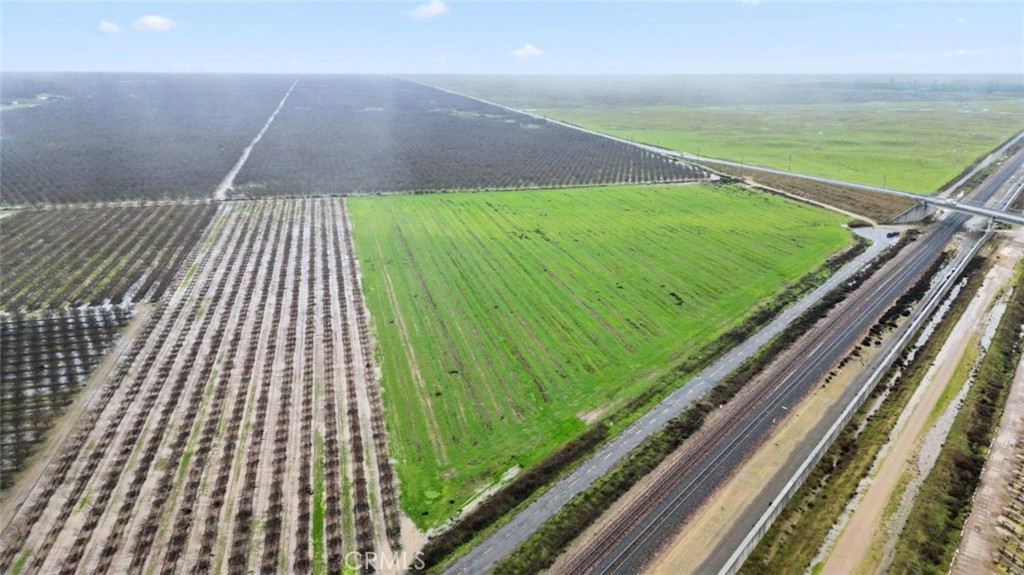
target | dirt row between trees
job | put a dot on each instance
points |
(242, 428)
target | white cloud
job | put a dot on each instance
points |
(154, 23)
(751, 2)
(431, 9)
(108, 28)
(527, 51)
(960, 52)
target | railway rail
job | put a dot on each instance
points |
(627, 545)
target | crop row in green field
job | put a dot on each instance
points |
(912, 146)
(503, 319)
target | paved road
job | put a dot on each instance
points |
(725, 554)
(788, 380)
(509, 536)
(695, 481)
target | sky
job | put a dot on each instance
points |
(481, 37)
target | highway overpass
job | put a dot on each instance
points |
(998, 214)
(974, 209)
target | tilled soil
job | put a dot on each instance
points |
(221, 440)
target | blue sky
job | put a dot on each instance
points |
(440, 36)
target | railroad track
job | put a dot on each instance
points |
(746, 423)
(630, 541)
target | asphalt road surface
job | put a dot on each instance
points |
(510, 535)
(694, 481)
(627, 555)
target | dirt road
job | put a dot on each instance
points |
(865, 541)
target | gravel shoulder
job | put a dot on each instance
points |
(860, 548)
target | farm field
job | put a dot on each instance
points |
(365, 134)
(242, 427)
(69, 281)
(506, 321)
(111, 137)
(117, 254)
(910, 146)
(878, 207)
(73, 138)
(913, 133)
(44, 360)
(251, 419)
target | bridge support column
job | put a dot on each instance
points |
(914, 214)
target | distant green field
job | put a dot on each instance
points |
(912, 146)
(502, 318)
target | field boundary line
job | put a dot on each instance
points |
(229, 180)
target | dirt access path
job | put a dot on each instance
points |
(982, 539)
(228, 182)
(865, 541)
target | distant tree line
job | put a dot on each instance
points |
(347, 134)
(115, 137)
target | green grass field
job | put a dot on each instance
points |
(502, 317)
(913, 132)
(912, 146)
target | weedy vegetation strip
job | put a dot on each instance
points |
(879, 207)
(932, 531)
(797, 534)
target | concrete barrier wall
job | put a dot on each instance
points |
(914, 214)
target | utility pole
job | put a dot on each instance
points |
(790, 168)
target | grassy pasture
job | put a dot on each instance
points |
(503, 318)
(911, 145)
